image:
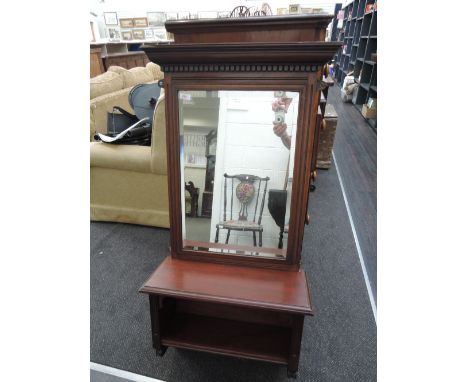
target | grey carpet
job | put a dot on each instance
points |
(339, 343)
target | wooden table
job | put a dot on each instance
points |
(253, 313)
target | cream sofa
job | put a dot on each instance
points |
(128, 182)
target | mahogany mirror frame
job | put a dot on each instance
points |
(305, 83)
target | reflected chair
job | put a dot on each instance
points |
(245, 194)
(191, 201)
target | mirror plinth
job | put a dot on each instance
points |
(240, 129)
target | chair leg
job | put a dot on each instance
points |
(227, 237)
(254, 238)
(280, 244)
(217, 235)
(260, 238)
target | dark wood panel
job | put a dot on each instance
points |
(254, 287)
(96, 65)
(229, 337)
(252, 54)
(126, 60)
(290, 28)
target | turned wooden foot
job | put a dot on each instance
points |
(292, 374)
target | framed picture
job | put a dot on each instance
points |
(156, 19)
(282, 11)
(171, 16)
(127, 35)
(114, 34)
(110, 18)
(160, 34)
(207, 15)
(294, 9)
(93, 39)
(169, 36)
(148, 34)
(126, 23)
(140, 22)
(138, 34)
(183, 15)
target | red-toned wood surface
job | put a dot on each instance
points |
(229, 284)
(289, 28)
(229, 337)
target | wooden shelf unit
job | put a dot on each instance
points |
(359, 38)
(229, 303)
(207, 307)
(229, 337)
(122, 53)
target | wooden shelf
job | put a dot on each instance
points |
(364, 85)
(229, 337)
(257, 287)
(365, 39)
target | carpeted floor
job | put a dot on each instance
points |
(339, 343)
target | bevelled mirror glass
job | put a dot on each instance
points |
(236, 163)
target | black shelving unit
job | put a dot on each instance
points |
(359, 37)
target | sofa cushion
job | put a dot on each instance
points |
(121, 157)
(155, 70)
(116, 69)
(105, 83)
(135, 76)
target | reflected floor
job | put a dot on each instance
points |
(198, 229)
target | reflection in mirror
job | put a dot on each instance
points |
(237, 157)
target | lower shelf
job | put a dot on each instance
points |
(228, 337)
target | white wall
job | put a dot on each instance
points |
(139, 8)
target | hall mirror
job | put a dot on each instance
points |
(236, 166)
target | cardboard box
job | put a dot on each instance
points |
(368, 112)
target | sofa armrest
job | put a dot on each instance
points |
(158, 139)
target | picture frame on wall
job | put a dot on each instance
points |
(110, 18)
(126, 23)
(183, 15)
(156, 19)
(114, 34)
(148, 34)
(171, 16)
(160, 34)
(140, 22)
(294, 9)
(92, 37)
(138, 34)
(127, 35)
